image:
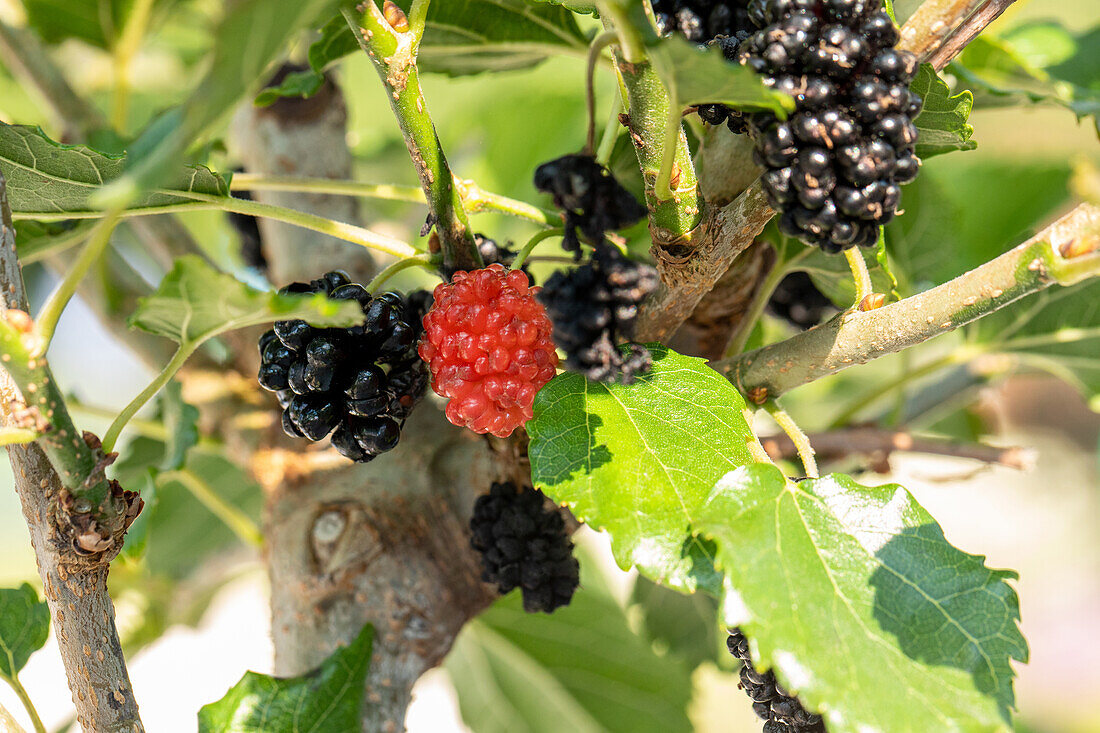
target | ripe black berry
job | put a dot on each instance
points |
(359, 383)
(834, 168)
(594, 306)
(798, 301)
(782, 713)
(523, 544)
(593, 201)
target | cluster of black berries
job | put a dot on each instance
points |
(798, 301)
(781, 712)
(834, 169)
(594, 306)
(523, 544)
(359, 383)
(594, 202)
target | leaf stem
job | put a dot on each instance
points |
(122, 57)
(418, 18)
(610, 136)
(386, 191)
(239, 522)
(48, 317)
(633, 48)
(28, 704)
(525, 252)
(110, 438)
(477, 200)
(379, 279)
(596, 48)
(801, 442)
(760, 301)
(340, 230)
(860, 276)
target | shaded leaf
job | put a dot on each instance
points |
(48, 178)
(37, 240)
(181, 421)
(942, 123)
(98, 22)
(637, 460)
(329, 698)
(195, 302)
(853, 595)
(685, 625)
(580, 669)
(301, 84)
(24, 626)
(584, 7)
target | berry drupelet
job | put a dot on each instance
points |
(593, 201)
(523, 544)
(592, 307)
(359, 383)
(782, 713)
(834, 169)
(487, 344)
(798, 301)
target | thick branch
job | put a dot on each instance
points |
(856, 337)
(75, 584)
(953, 45)
(881, 443)
(930, 31)
(393, 54)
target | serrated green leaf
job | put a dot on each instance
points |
(942, 123)
(853, 595)
(48, 178)
(181, 421)
(696, 75)
(24, 626)
(330, 698)
(250, 36)
(195, 302)
(636, 460)
(579, 669)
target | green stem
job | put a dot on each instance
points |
(50, 314)
(860, 276)
(388, 192)
(662, 188)
(231, 516)
(396, 267)
(477, 200)
(123, 55)
(525, 252)
(394, 58)
(866, 399)
(610, 136)
(166, 374)
(418, 18)
(24, 698)
(340, 230)
(801, 442)
(17, 436)
(760, 302)
(633, 48)
(597, 46)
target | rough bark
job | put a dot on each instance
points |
(75, 586)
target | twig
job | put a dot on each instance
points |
(881, 443)
(393, 54)
(75, 584)
(856, 337)
(967, 32)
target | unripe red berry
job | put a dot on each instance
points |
(488, 347)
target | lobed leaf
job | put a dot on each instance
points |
(46, 178)
(24, 626)
(942, 123)
(864, 610)
(330, 698)
(194, 302)
(638, 460)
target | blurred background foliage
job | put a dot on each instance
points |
(628, 655)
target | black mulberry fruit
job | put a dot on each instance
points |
(595, 305)
(357, 384)
(593, 201)
(782, 713)
(798, 301)
(523, 544)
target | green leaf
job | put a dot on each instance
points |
(584, 7)
(685, 625)
(250, 36)
(637, 460)
(181, 421)
(833, 277)
(472, 36)
(98, 22)
(1038, 62)
(195, 302)
(865, 611)
(942, 123)
(301, 84)
(37, 240)
(579, 669)
(24, 626)
(696, 75)
(137, 536)
(48, 178)
(329, 698)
